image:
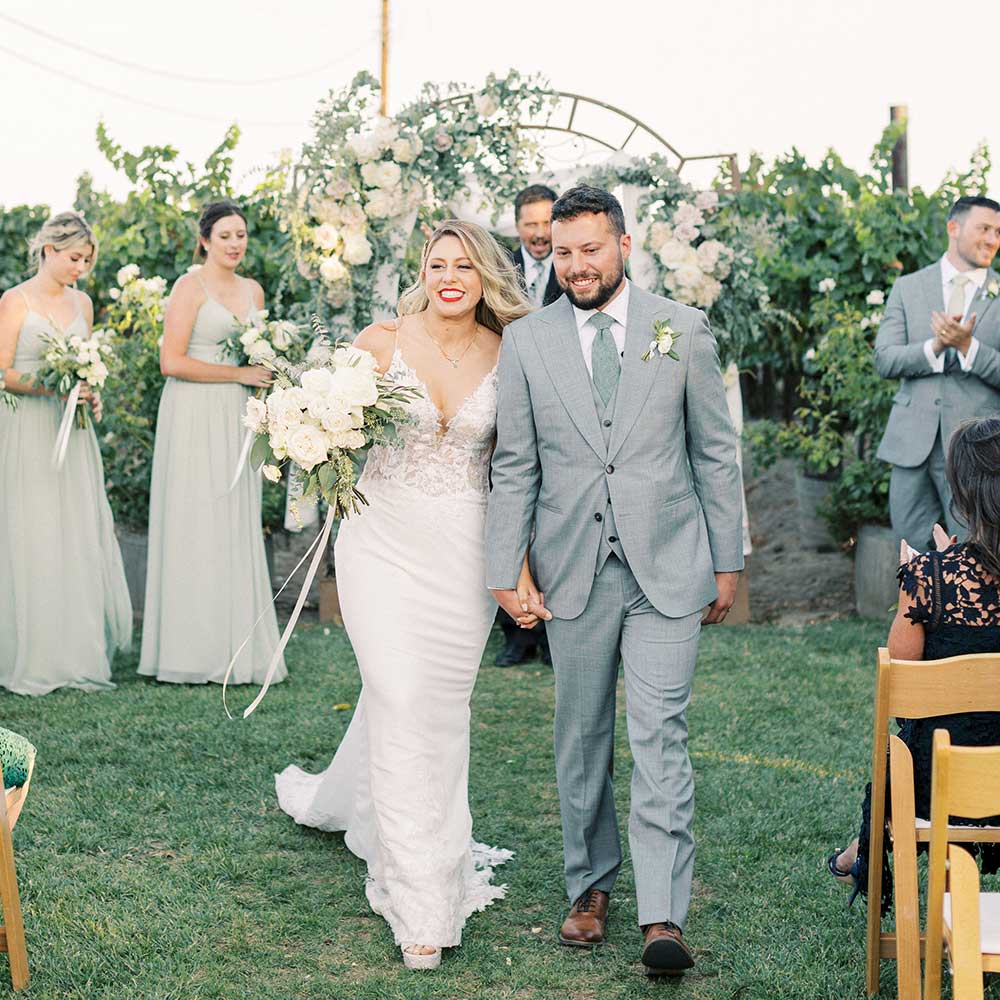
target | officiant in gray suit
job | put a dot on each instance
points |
(940, 336)
(614, 441)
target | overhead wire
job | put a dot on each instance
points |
(181, 77)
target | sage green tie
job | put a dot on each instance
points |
(605, 362)
(956, 307)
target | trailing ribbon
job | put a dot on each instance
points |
(319, 545)
(242, 460)
(65, 427)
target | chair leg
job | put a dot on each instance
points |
(10, 899)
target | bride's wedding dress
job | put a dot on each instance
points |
(411, 578)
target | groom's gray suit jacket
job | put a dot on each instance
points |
(667, 464)
(926, 401)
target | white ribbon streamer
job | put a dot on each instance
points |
(242, 460)
(319, 544)
(65, 427)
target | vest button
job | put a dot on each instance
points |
(612, 539)
(607, 423)
(610, 469)
(598, 517)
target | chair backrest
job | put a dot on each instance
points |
(966, 959)
(965, 781)
(917, 689)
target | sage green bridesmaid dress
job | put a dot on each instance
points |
(64, 604)
(206, 576)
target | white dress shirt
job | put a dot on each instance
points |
(617, 309)
(977, 279)
(530, 266)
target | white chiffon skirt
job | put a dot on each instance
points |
(411, 580)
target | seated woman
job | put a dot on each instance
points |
(949, 605)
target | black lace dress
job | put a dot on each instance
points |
(958, 604)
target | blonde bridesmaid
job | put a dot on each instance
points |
(64, 604)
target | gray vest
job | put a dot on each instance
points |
(607, 546)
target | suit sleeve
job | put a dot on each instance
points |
(711, 445)
(986, 365)
(895, 355)
(516, 473)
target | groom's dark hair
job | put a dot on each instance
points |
(963, 206)
(587, 200)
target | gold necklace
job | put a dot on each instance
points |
(452, 361)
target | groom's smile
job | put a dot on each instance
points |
(589, 259)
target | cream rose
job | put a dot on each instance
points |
(674, 254)
(686, 212)
(126, 274)
(707, 200)
(272, 473)
(255, 417)
(326, 236)
(332, 270)
(307, 446)
(357, 249)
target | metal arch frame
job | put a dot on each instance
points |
(637, 124)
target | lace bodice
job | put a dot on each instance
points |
(438, 460)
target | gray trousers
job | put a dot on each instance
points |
(658, 653)
(920, 496)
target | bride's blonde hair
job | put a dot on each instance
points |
(62, 231)
(503, 300)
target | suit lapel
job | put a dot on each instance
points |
(559, 346)
(981, 302)
(637, 376)
(933, 286)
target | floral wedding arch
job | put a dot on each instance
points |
(363, 182)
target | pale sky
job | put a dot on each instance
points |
(710, 75)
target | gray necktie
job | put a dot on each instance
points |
(956, 307)
(605, 362)
(535, 285)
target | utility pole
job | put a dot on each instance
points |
(900, 165)
(385, 59)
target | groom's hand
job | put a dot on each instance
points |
(726, 585)
(526, 617)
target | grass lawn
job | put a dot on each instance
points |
(155, 864)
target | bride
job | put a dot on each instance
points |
(413, 594)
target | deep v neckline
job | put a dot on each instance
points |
(229, 312)
(444, 426)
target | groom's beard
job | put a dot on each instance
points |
(600, 293)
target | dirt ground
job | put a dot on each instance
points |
(788, 584)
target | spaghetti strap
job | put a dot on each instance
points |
(27, 301)
(201, 281)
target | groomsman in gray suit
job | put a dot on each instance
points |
(624, 460)
(940, 336)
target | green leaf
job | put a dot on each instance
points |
(260, 452)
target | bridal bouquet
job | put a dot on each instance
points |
(322, 417)
(261, 340)
(71, 361)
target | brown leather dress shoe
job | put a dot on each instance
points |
(664, 952)
(587, 921)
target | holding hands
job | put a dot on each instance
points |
(526, 604)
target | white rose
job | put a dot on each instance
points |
(665, 344)
(255, 417)
(659, 235)
(368, 174)
(316, 382)
(325, 236)
(352, 440)
(356, 385)
(307, 446)
(403, 151)
(249, 337)
(260, 350)
(339, 188)
(336, 421)
(385, 134)
(363, 146)
(352, 215)
(357, 249)
(686, 212)
(443, 141)
(708, 291)
(486, 105)
(707, 200)
(283, 410)
(383, 203)
(283, 334)
(355, 357)
(113, 294)
(327, 211)
(686, 233)
(865, 323)
(126, 274)
(827, 285)
(876, 297)
(278, 439)
(272, 473)
(674, 254)
(332, 270)
(810, 355)
(387, 174)
(708, 255)
(689, 276)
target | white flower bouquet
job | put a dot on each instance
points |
(263, 340)
(322, 417)
(70, 362)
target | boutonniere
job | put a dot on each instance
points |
(992, 289)
(664, 337)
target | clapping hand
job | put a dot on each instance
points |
(950, 331)
(942, 541)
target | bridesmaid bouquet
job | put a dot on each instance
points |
(261, 340)
(322, 417)
(70, 361)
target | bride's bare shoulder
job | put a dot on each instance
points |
(380, 340)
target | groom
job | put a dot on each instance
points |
(626, 468)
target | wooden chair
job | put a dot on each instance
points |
(966, 954)
(965, 782)
(914, 689)
(12, 931)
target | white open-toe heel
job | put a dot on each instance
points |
(413, 960)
